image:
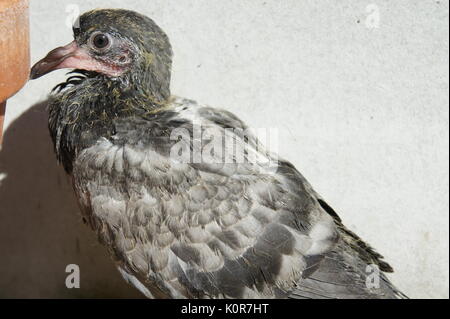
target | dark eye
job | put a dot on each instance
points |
(100, 41)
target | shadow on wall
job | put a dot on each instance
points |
(41, 231)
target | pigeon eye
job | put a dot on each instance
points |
(100, 41)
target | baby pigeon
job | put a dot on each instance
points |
(180, 225)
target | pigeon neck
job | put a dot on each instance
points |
(89, 110)
(150, 79)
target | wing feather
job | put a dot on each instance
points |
(211, 229)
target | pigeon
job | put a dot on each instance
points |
(182, 213)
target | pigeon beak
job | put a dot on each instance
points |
(69, 56)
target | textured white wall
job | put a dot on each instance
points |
(362, 113)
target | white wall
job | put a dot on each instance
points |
(362, 113)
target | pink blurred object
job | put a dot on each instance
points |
(14, 50)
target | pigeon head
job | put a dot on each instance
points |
(118, 46)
